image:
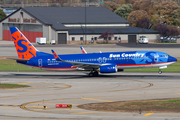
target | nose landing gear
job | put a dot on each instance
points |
(160, 72)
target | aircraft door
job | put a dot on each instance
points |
(40, 62)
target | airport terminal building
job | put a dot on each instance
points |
(68, 25)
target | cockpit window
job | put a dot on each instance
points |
(166, 55)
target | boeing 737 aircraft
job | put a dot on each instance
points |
(95, 63)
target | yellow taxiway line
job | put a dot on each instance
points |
(10, 105)
(55, 109)
(148, 114)
(52, 104)
(85, 112)
(36, 106)
(24, 89)
(96, 99)
(24, 83)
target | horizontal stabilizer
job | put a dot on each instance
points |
(23, 60)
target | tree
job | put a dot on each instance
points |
(110, 5)
(173, 31)
(130, 1)
(144, 22)
(135, 15)
(124, 10)
(61, 2)
(106, 35)
(168, 12)
(146, 5)
(121, 2)
(2, 14)
(166, 30)
(162, 28)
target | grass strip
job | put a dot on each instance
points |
(162, 106)
(11, 65)
(5, 85)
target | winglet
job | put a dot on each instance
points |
(83, 50)
(56, 56)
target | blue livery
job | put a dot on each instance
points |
(109, 62)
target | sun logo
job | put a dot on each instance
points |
(24, 48)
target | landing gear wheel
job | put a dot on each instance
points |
(160, 72)
(93, 74)
(96, 73)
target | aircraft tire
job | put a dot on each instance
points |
(160, 72)
(96, 73)
(91, 74)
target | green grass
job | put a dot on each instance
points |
(174, 103)
(162, 105)
(11, 65)
(5, 85)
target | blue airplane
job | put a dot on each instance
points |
(95, 63)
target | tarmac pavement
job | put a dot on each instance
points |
(51, 88)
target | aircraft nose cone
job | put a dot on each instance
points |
(172, 59)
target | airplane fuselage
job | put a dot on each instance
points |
(123, 60)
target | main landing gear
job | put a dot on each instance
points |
(93, 74)
(160, 72)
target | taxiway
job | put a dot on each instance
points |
(51, 88)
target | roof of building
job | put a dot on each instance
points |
(115, 30)
(57, 16)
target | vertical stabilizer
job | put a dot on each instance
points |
(83, 50)
(24, 48)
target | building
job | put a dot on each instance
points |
(71, 25)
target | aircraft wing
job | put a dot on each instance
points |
(78, 64)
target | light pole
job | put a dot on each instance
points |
(85, 24)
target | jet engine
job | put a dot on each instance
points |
(108, 69)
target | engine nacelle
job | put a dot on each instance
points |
(108, 69)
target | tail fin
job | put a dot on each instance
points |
(83, 50)
(24, 48)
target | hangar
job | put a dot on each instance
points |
(72, 25)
